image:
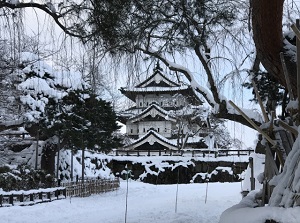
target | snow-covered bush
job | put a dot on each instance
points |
(23, 178)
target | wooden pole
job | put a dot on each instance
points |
(253, 124)
(296, 30)
(267, 137)
(58, 150)
(287, 78)
(260, 101)
(82, 158)
(72, 165)
(298, 68)
(288, 127)
(252, 179)
(37, 150)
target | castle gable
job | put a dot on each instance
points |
(151, 141)
(155, 112)
(157, 80)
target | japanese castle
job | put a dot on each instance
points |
(166, 116)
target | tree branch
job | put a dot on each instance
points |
(55, 15)
(210, 78)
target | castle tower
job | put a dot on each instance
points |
(167, 115)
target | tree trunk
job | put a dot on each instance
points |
(48, 158)
(268, 39)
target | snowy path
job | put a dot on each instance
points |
(146, 203)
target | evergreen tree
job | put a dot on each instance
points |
(82, 120)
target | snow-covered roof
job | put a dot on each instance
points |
(131, 93)
(159, 83)
(153, 110)
(151, 137)
(157, 79)
(156, 89)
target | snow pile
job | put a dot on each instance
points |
(95, 165)
(284, 202)
(247, 211)
(218, 173)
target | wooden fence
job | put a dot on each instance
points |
(88, 187)
(31, 197)
(192, 153)
(71, 189)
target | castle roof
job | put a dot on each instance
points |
(157, 79)
(159, 83)
(152, 137)
(153, 110)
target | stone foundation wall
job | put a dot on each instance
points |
(172, 172)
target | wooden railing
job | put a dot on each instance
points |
(91, 186)
(192, 153)
(80, 189)
(31, 197)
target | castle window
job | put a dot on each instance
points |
(131, 130)
(144, 130)
(157, 129)
(141, 104)
(161, 103)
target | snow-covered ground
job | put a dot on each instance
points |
(149, 203)
(146, 203)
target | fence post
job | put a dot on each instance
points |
(57, 193)
(31, 196)
(11, 199)
(21, 197)
(252, 179)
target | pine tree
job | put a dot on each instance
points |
(82, 120)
